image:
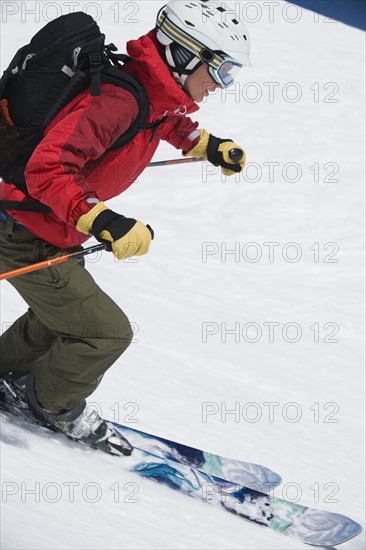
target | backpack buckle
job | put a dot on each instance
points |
(95, 59)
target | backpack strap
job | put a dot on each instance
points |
(24, 206)
(75, 86)
(114, 75)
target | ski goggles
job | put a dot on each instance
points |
(225, 75)
(222, 69)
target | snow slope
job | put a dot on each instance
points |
(297, 392)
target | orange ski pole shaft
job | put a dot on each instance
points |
(50, 262)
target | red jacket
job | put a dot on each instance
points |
(70, 166)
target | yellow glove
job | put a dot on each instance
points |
(125, 237)
(220, 152)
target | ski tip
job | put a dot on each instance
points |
(321, 528)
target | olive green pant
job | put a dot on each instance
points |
(72, 332)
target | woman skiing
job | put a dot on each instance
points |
(58, 351)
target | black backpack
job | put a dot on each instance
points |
(62, 59)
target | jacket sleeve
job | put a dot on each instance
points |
(82, 131)
(181, 132)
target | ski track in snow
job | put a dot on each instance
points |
(82, 499)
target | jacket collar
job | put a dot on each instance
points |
(148, 66)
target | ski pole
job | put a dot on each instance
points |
(174, 161)
(235, 154)
(59, 259)
(51, 261)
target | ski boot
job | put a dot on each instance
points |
(81, 423)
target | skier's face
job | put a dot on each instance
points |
(199, 84)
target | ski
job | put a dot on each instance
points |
(308, 525)
(237, 471)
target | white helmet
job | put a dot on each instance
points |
(202, 31)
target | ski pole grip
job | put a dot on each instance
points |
(236, 155)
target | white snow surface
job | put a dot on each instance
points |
(299, 404)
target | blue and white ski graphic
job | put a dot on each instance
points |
(242, 473)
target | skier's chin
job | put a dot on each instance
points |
(202, 96)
